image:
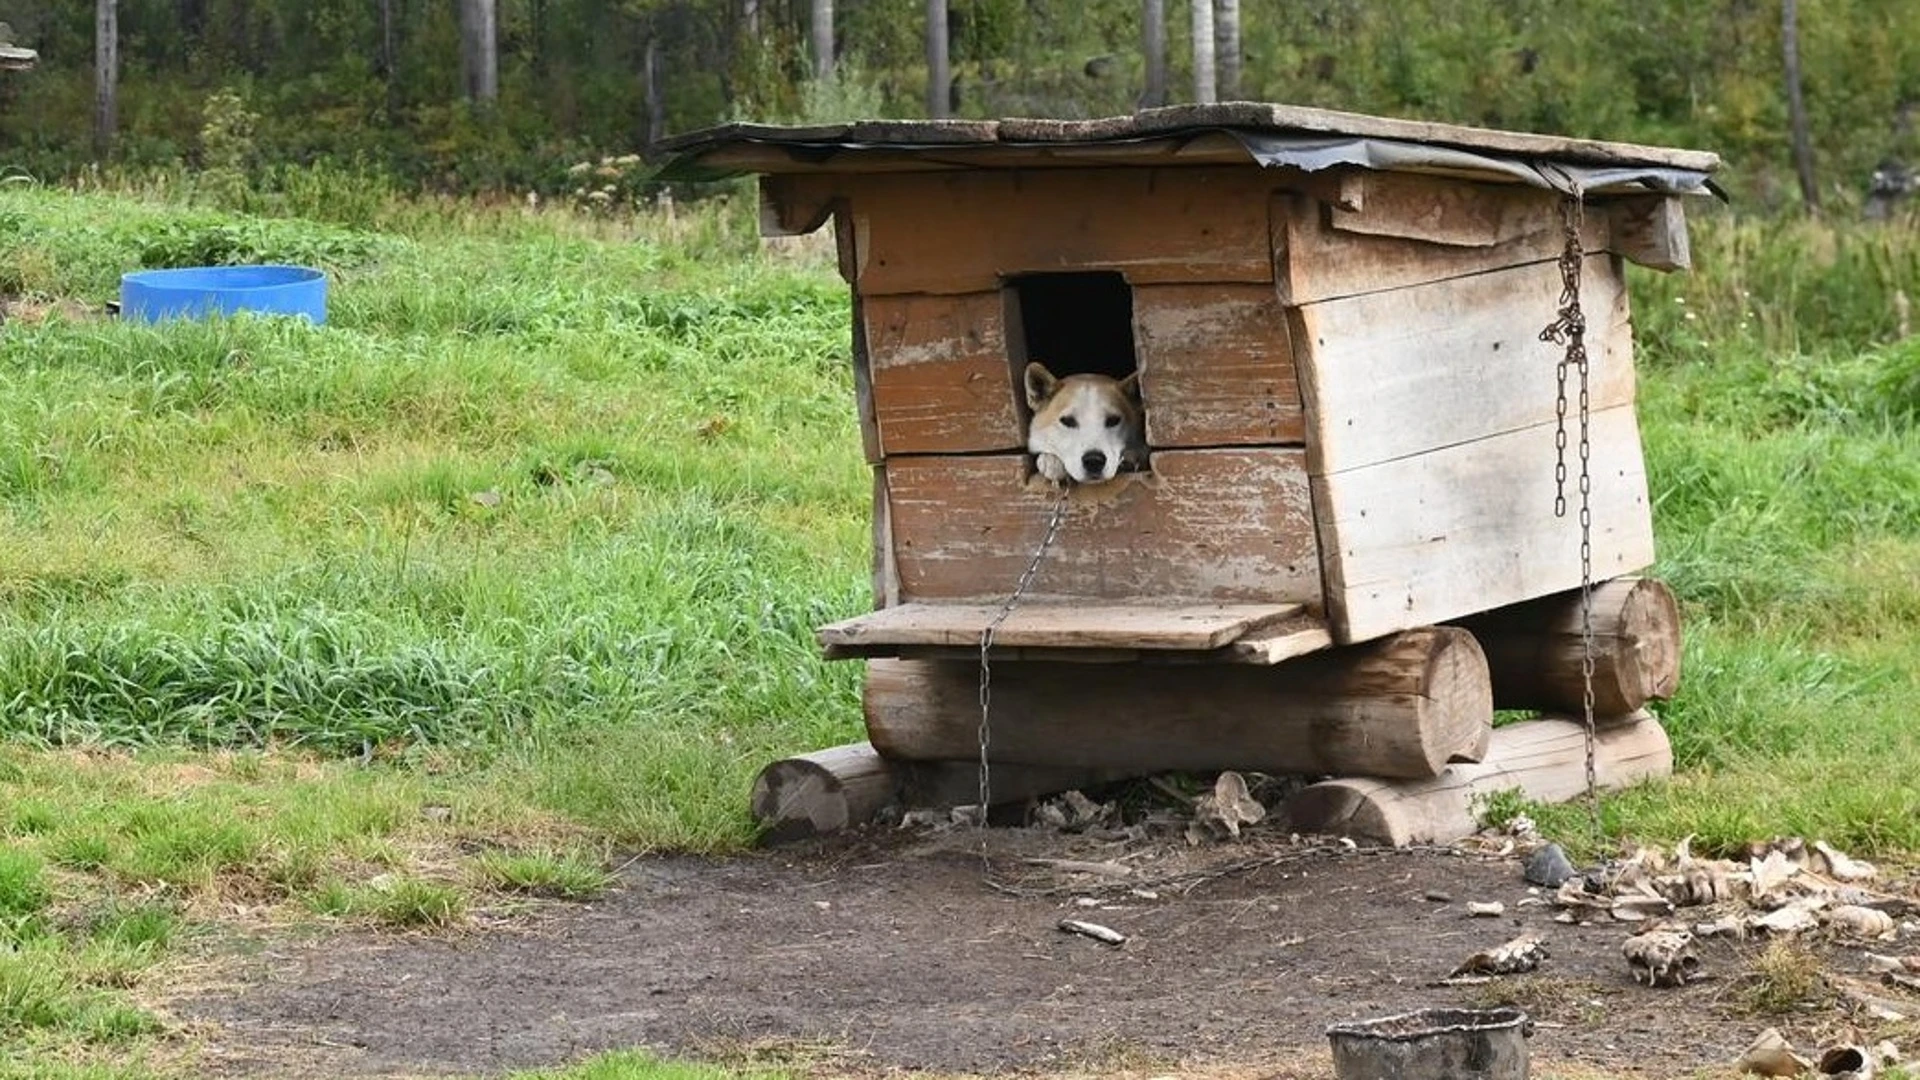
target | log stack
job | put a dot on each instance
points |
(1403, 724)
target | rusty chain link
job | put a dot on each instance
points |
(993, 627)
(1569, 329)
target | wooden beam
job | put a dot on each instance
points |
(1545, 760)
(1534, 649)
(1404, 706)
(1223, 525)
(1652, 231)
(1268, 645)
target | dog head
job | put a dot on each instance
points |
(1089, 423)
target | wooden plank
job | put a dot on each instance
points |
(1227, 525)
(1389, 374)
(1057, 625)
(795, 204)
(942, 380)
(1216, 365)
(1470, 527)
(1435, 210)
(864, 403)
(1265, 646)
(886, 574)
(1544, 759)
(964, 232)
(938, 136)
(1403, 706)
(1316, 261)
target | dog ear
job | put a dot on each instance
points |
(1040, 384)
(1130, 386)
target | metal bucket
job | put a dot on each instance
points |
(1434, 1044)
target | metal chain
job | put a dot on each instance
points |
(986, 644)
(1569, 329)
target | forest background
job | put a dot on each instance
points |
(509, 95)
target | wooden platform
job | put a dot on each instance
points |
(1261, 634)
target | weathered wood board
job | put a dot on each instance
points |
(942, 379)
(1397, 231)
(951, 232)
(1227, 525)
(1394, 374)
(1402, 706)
(1059, 625)
(1544, 759)
(1216, 365)
(1264, 645)
(1464, 528)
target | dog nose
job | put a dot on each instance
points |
(1095, 462)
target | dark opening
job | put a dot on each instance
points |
(1076, 324)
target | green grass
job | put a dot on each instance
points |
(516, 563)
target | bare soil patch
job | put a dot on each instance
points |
(893, 949)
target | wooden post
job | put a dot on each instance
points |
(1533, 649)
(1544, 759)
(1404, 706)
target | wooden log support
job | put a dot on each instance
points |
(1533, 649)
(823, 792)
(1403, 706)
(1544, 759)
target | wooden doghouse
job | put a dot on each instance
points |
(1354, 427)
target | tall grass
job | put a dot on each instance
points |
(568, 494)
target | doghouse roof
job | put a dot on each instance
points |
(1232, 133)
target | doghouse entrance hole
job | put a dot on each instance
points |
(1076, 324)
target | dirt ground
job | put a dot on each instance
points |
(892, 951)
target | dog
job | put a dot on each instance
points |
(1085, 428)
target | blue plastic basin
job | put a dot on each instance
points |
(196, 292)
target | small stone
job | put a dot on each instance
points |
(1549, 867)
(1437, 896)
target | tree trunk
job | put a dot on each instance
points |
(1226, 42)
(1153, 42)
(389, 57)
(1796, 105)
(106, 76)
(1203, 81)
(822, 38)
(939, 80)
(656, 98)
(479, 50)
(750, 18)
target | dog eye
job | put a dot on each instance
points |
(1113, 419)
(1069, 421)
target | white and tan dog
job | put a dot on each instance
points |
(1085, 428)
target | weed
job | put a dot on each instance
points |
(1784, 977)
(567, 875)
